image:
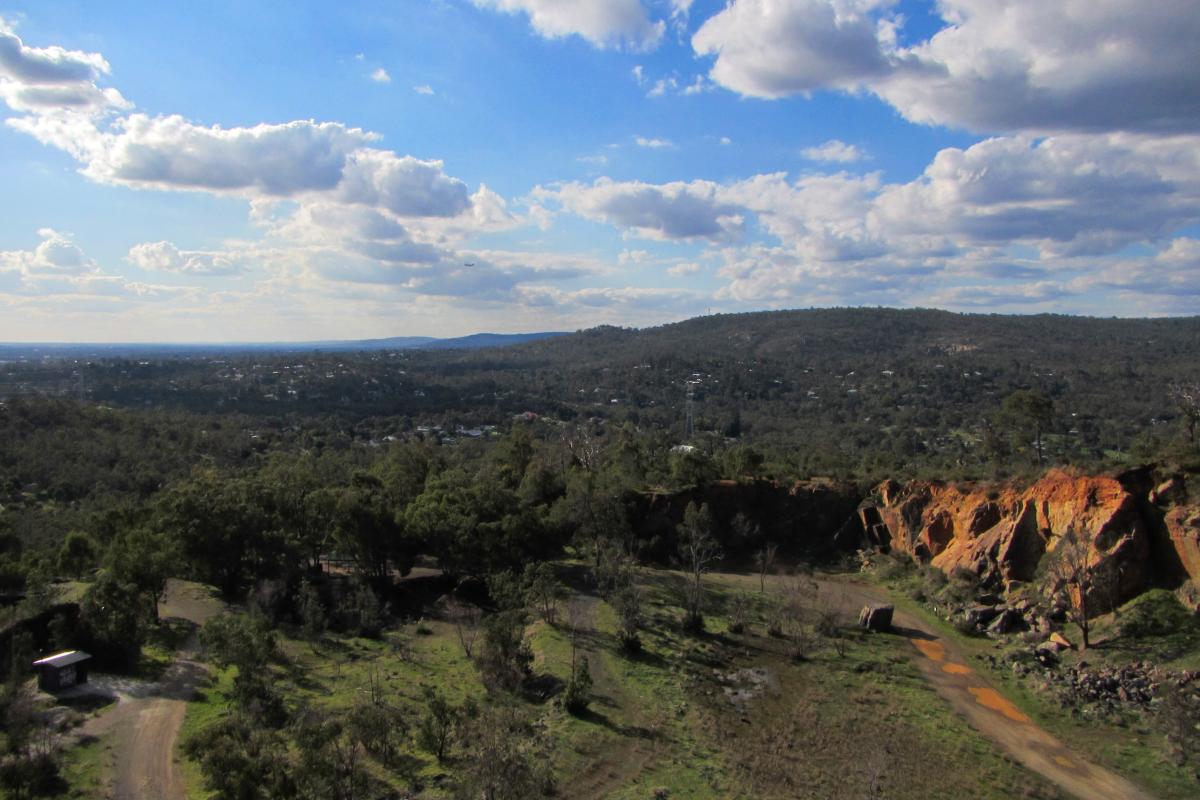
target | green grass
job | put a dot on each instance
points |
(85, 768)
(208, 706)
(833, 713)
(661, 719)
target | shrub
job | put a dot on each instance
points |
(364, 614)
(628, 605)
(739, 612)
(578, 694)
(1156, 613)
(504, 657)
(440, 723)
(776, 617)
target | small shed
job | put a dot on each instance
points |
(62, 670)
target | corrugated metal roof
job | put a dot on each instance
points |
(65, 659)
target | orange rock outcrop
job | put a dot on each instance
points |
(1000, 532)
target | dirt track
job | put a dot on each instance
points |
(619, 760)
(143, 726)
(987, 710)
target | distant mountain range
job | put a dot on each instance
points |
(475, 341)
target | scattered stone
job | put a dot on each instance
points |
(743, 685)
(876, 618)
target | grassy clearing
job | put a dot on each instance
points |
(337, 673)
(844, 725)
(1128, 744)
(824, 728)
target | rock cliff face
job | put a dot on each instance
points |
(800, 518)
(1140, 533)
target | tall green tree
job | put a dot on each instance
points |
(78, 554)
(1030, 409)
(226, 528)
(143, 558)
(368, 529)
(116, 617)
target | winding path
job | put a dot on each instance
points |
(988, 711)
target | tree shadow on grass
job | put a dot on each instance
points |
(594, 717)
(87, 703)
(541, 687)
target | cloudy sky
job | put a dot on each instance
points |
(233, 170)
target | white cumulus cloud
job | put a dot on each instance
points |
(653, 143)
(604, 23)
(996, 65)
(834, 150)
(166, 257)
(775, 48)
(666, 211)
(47, 79)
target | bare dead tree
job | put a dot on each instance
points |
(698, 551)
(1072, 572)
(583, 447)
(466, 624)
(764, 559)
(799, 597)
(739, 609)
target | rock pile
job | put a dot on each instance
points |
(998, 619)
(1106, 690)
(1110, 687)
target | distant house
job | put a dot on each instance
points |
(62, 670)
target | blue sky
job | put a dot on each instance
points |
(283, 171)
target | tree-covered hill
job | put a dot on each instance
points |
(863, 392)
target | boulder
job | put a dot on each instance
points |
(1183, 531)
(1007, 621)
(1061, 642)
(978, 616)
(1046, 654)
(876, 618)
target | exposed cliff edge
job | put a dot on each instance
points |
(1144, 528)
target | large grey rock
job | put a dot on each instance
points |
(978, 616)
(876, 618)
(1007, 621)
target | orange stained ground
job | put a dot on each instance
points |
(990, 698)
(956, 669)
(933, 649)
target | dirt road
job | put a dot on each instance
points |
(143, 726)
(986, 709)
